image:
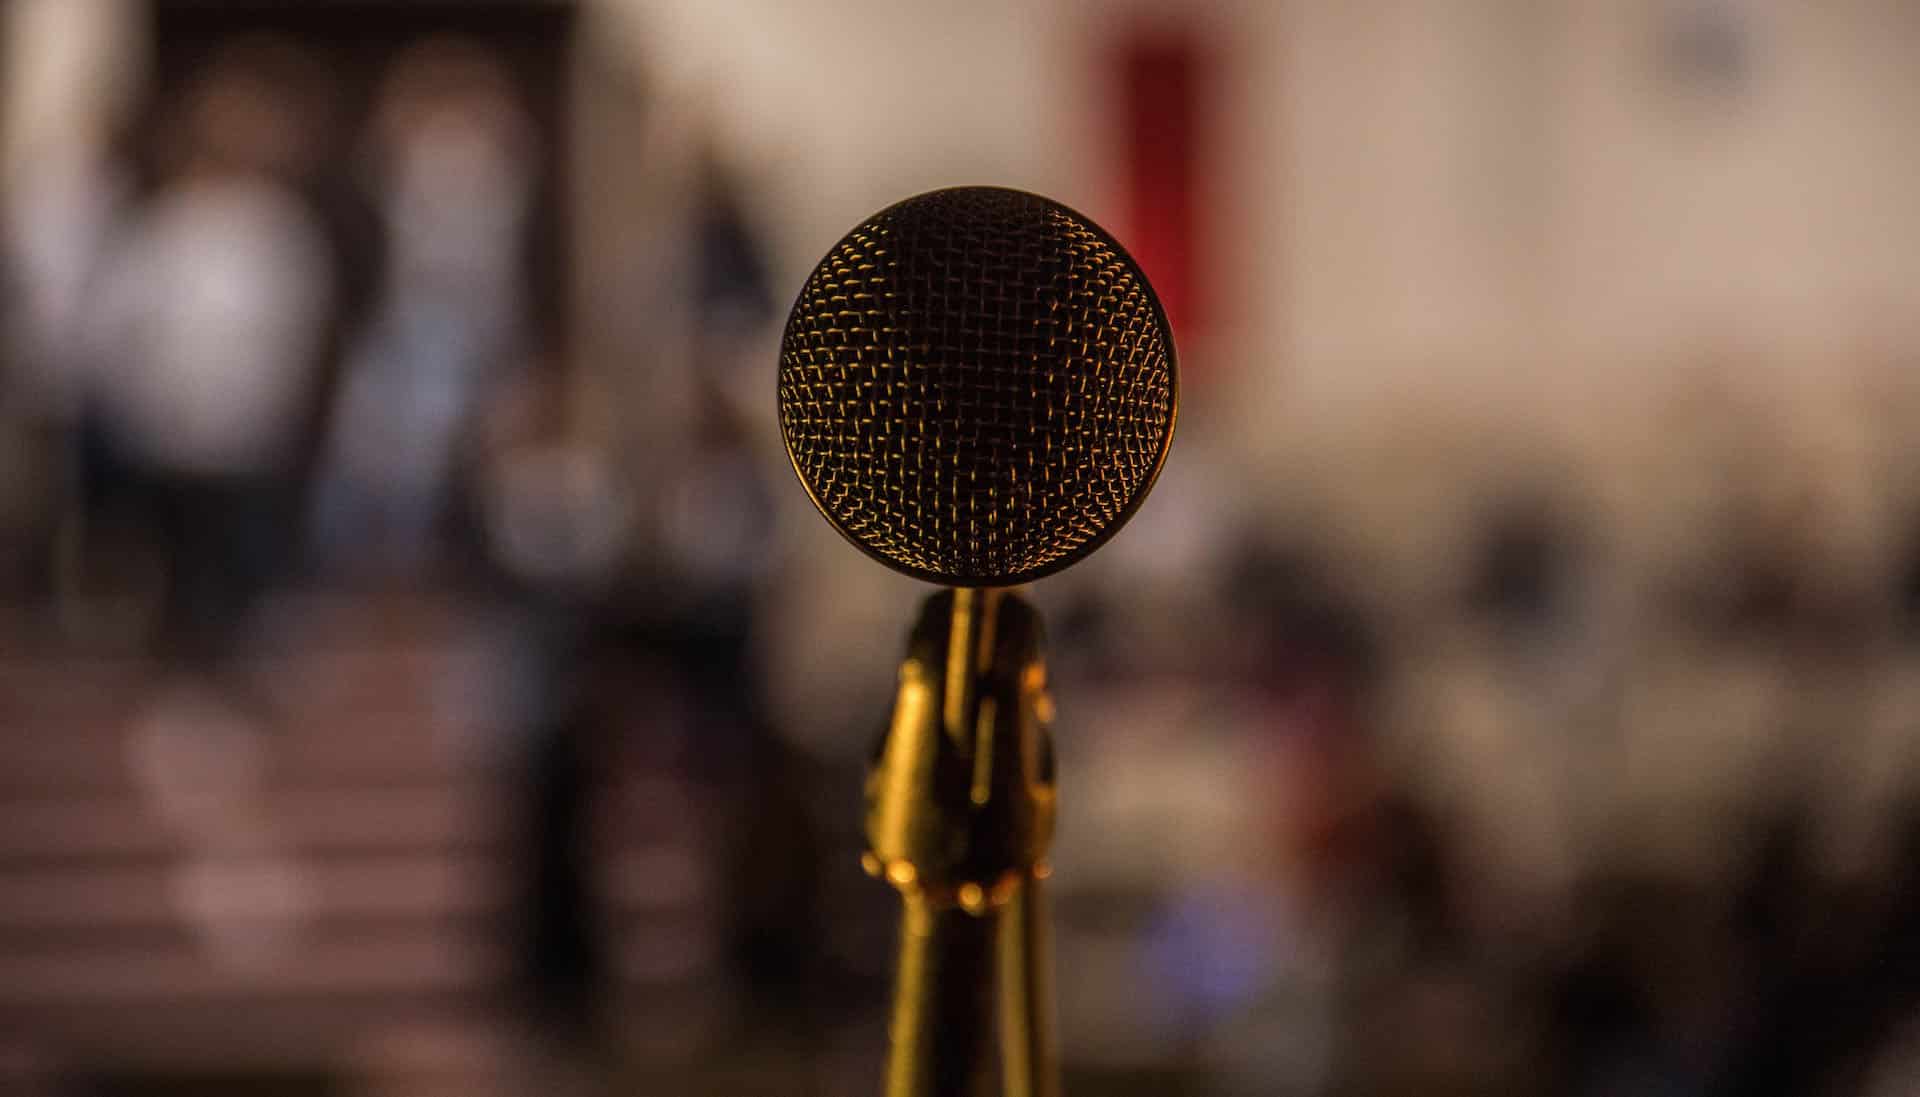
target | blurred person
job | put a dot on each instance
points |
(647, 675)
(58, 213)
(717, 550)
(1789, 986)
(1819, 946)
(1376, 989)
(452, 167)
(1533, 654)
(733, 293)
(201, 340)
(555, 535)
(1738, 945)
(1525, 574)
(205, 329)
(717, 536)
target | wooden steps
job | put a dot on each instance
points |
(362, 912)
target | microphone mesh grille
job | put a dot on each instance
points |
(977, 386)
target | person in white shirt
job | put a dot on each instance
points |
(203, 338)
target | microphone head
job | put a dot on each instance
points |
(977, 386)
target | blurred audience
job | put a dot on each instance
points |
(386, 714)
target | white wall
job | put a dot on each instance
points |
(843, 106)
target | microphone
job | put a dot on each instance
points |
(977, 388)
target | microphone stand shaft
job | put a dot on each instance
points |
(942, 1027)
(1029, 1065)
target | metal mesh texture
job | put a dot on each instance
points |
(977, 386)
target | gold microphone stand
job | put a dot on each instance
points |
(960, 811)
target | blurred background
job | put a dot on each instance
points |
(421, 675)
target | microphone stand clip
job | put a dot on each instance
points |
(960, 815)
